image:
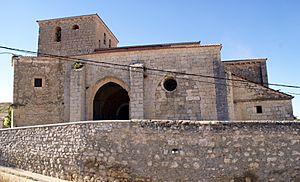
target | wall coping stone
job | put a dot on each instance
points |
(144, 122)
(24, 175)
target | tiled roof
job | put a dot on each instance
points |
(287, 96)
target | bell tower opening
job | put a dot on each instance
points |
(111, 102)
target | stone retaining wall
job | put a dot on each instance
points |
(157, 150)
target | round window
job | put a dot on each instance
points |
(170, 84)
(75, 27)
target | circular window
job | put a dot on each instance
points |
(75, 27)
(170, 84)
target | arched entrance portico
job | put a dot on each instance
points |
(111, 102)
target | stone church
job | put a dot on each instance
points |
(80, 73)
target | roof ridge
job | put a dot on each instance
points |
(155, 46)
(175, 43)
(244, 60)
(68, 17)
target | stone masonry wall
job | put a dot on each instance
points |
(38, 105)
(88, 37)
(255, 71)
(191, 95)
(101, 29)
(77, 95)
(271, 109)
(137, 91)
(184, 102)
(80, 41)
(157, 151)
(221, 92)
(247, 96)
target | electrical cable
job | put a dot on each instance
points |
(146, 68)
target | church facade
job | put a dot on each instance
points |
(80, 74)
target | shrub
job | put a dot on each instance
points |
(77, 65)
(7, 119)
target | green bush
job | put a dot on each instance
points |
(7, 119)
(77, 65)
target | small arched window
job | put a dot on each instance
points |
(104, 41)
(109, 43)
(57, 34)
(75, 27)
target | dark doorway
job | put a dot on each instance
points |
(111, 103)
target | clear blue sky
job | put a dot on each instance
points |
(247, 29)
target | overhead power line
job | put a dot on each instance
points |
(120, 66)
(126, 67)
(293, 93)
(9, 53)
